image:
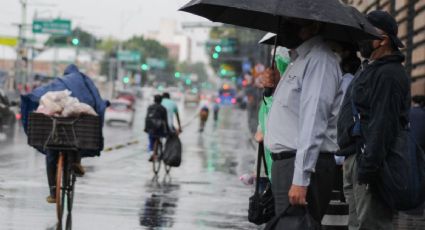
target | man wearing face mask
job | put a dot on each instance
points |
(381, 94)
(301, 127)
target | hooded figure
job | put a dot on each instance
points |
(81, 87)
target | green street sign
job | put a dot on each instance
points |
(49, 26)
(156, 63)
(128, 56)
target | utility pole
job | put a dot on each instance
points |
(23, 75)
(19, 73)
(112, 76)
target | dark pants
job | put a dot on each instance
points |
(318, 194)
(51, 166)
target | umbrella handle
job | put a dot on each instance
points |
(268, 91)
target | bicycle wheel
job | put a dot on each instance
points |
(156, 161)
(167, 169)
(59, 187)
(70, 199)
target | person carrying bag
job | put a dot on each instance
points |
(261, 204)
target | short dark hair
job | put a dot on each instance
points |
(157, 99)
(166, 95)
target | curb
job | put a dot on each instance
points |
(120, 146)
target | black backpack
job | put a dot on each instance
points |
(401, 182)
(154, 121)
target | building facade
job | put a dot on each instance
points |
(410, 15)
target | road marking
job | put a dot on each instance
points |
(120, 146)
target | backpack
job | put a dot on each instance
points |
(154, 121)
(401, 179)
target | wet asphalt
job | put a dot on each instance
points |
(118, 190)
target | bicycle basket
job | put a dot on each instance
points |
(64, 133)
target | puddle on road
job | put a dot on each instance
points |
(159, 209)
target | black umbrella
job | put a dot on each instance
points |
(270, 38)
(267, 15)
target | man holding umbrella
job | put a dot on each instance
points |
(301, 128)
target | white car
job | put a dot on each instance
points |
(120, 110)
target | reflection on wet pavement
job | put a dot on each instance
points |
(160, 207)
(117, 191)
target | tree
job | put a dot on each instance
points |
(148, 47)
(197, 68)
(85, 39)
(108, 45)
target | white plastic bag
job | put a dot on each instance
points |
(60, 103)
(75, 108)
(52, 103)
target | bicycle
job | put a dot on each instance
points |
(158, 151)
(65, 185)
(68, 137)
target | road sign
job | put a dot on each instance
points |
(128, 56)
(49, 26)
(8, 41)
(156, 63)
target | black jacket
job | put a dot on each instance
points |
(381, 93)
(417, 125)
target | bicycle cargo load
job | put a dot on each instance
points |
(65, 133)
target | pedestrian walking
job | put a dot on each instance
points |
(380, 93)
(301, 127)
(216, 109)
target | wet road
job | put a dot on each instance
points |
(118, 192)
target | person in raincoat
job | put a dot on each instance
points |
(82, 88)
(282, 61)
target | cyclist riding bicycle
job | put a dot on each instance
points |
(203, 117)
(156, 124)
(172, 109)
(82, 88)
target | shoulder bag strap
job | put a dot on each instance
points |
(260, 153)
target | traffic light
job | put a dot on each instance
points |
(188, 81)
(75, 41)
(223, 72)
(215, 55)
(177, 74)
(218, 48)
(144, 67)
(126, 80)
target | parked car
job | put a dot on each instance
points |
(127, 95)
(7, 116)
(191, 97)
(120, 110)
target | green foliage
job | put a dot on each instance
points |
(148, 47)
(85, 39)
(108, 45)
(197, 68)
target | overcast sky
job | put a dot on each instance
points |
(117, 18)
